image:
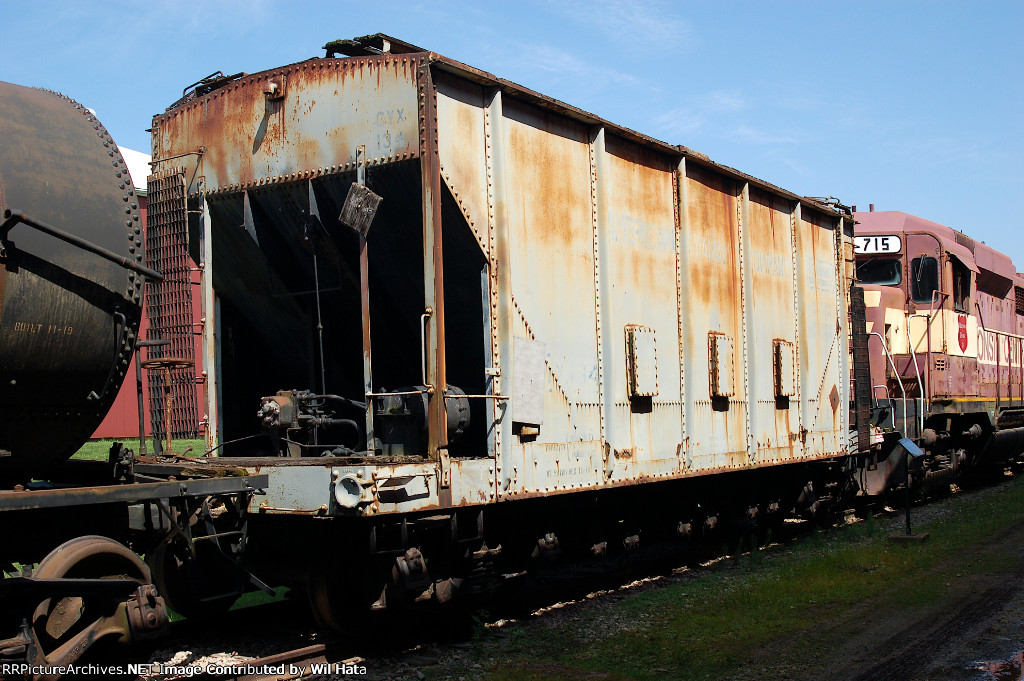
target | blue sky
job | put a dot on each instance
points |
(912, 106)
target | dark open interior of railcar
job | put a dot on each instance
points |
(266, 285)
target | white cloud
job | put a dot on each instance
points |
(559, 62)
(650, 25)
(746, 133)
(724, 100)
(679, 122)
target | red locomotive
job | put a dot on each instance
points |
(945, 320)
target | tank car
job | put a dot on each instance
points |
(945, 318)
(71, 294)
(461, 323)
(71, 277)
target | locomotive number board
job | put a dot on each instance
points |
(876, 243)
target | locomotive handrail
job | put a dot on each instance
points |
(13, 217)
(981, 320)
(892, 364)
(917, 369)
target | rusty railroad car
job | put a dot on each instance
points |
(437, 292)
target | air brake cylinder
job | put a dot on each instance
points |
(401, 419)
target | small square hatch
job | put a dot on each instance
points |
(641, 361)
(721, 369)
(785, 373)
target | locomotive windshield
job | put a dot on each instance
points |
(884, 272)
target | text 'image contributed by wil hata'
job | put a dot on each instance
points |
(178, 671)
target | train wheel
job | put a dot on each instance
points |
(66, 626)
(343, 591)
(194, 586)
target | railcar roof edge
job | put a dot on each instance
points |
(486, 78)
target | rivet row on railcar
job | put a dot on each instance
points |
(71, 295)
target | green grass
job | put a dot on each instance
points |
(98, 450)
(708, 627)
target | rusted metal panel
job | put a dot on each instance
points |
(551, 246)
(711, 299)
(636, 221)
(461, 145)
(472, 481)
(770, 311)
(822, 341)
(243, 137)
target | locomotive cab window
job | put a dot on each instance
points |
(924, 278)
(880, 271)
(961, 286)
